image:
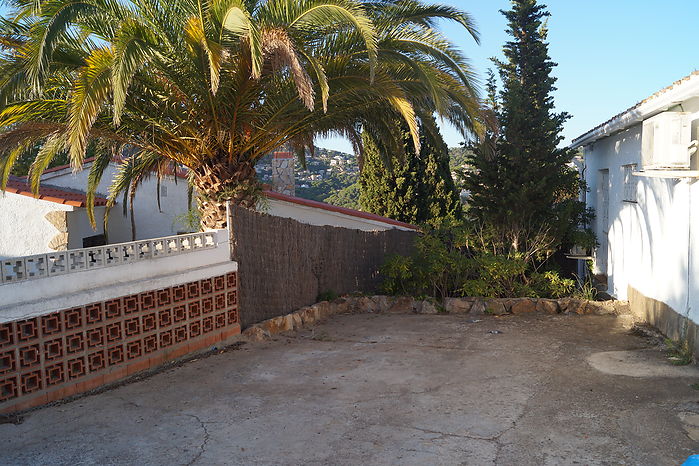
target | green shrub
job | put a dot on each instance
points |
(326, 296)
(399, 275)
(551, 285)
(455, 259)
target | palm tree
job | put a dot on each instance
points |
(214, 85)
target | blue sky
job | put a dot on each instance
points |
(610, 54)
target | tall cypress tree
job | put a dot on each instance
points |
(521, 183)
(410, 187)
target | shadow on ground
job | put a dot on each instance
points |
(389, 389)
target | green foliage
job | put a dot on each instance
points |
(320, 190)
(453, 258)
(327, 296)
(188, 222)
(459, 157)
(215, 85)
(25, 160)
(520, 180)
(679, 352)
(404, 185)
(586, 288)
(550, 284)
(345, 197)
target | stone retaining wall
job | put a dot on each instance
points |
(309, 315)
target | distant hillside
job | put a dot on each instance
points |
(332, 176)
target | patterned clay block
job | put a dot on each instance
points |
(132, 327)
(148, 300)
(93, 313)
(7, 334)
(29, 356)
(53, 349)
(179, 293)
(180, 334)
(7, 362)
(179, 313)
(231, 280)
(133, 349)
(73, 318)
(76, 368)
(207, 324)
(193, 290)
(51, 324)
(149, 322)
(54, 374)
(194, 309)
(115, 355)
(75, 343)
(219, 283)
(164, 297)
(95, 337)
(113, 332)
(220, 301)
(27, 330)
(96, 361)
(131, 304)
(112, 308)
(30, 382)
(8, 389)
(206, 286)
(150, 343)
(207, 305)
(166, 338)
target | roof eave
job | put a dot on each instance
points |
(640, 112)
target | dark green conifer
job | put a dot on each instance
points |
(521, 183)
(410, 187)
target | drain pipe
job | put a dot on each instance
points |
(688, 306)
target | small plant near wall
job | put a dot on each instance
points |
(679, 352)
(327, 296)
(188, 222)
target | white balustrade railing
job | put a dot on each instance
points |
(18, 269)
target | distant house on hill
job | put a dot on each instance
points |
(642, 168)
(57, 219)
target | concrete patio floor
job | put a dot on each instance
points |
(390, 389)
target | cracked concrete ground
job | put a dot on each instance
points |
(387, 389)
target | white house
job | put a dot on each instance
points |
(57, 219)
(150, 220)
(642, 168)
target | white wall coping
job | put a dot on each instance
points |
(35, 297)
(331, 214)
(43, 306)
(18, 269)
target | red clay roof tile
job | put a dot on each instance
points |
(47, 192)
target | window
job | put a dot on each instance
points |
(92, 241)
(630, 183)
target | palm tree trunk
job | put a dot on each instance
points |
(218, 184)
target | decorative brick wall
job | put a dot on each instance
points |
(56, 355)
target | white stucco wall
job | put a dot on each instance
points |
(653, 243)
(24, 229)
(321, 217)
(150, 222)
